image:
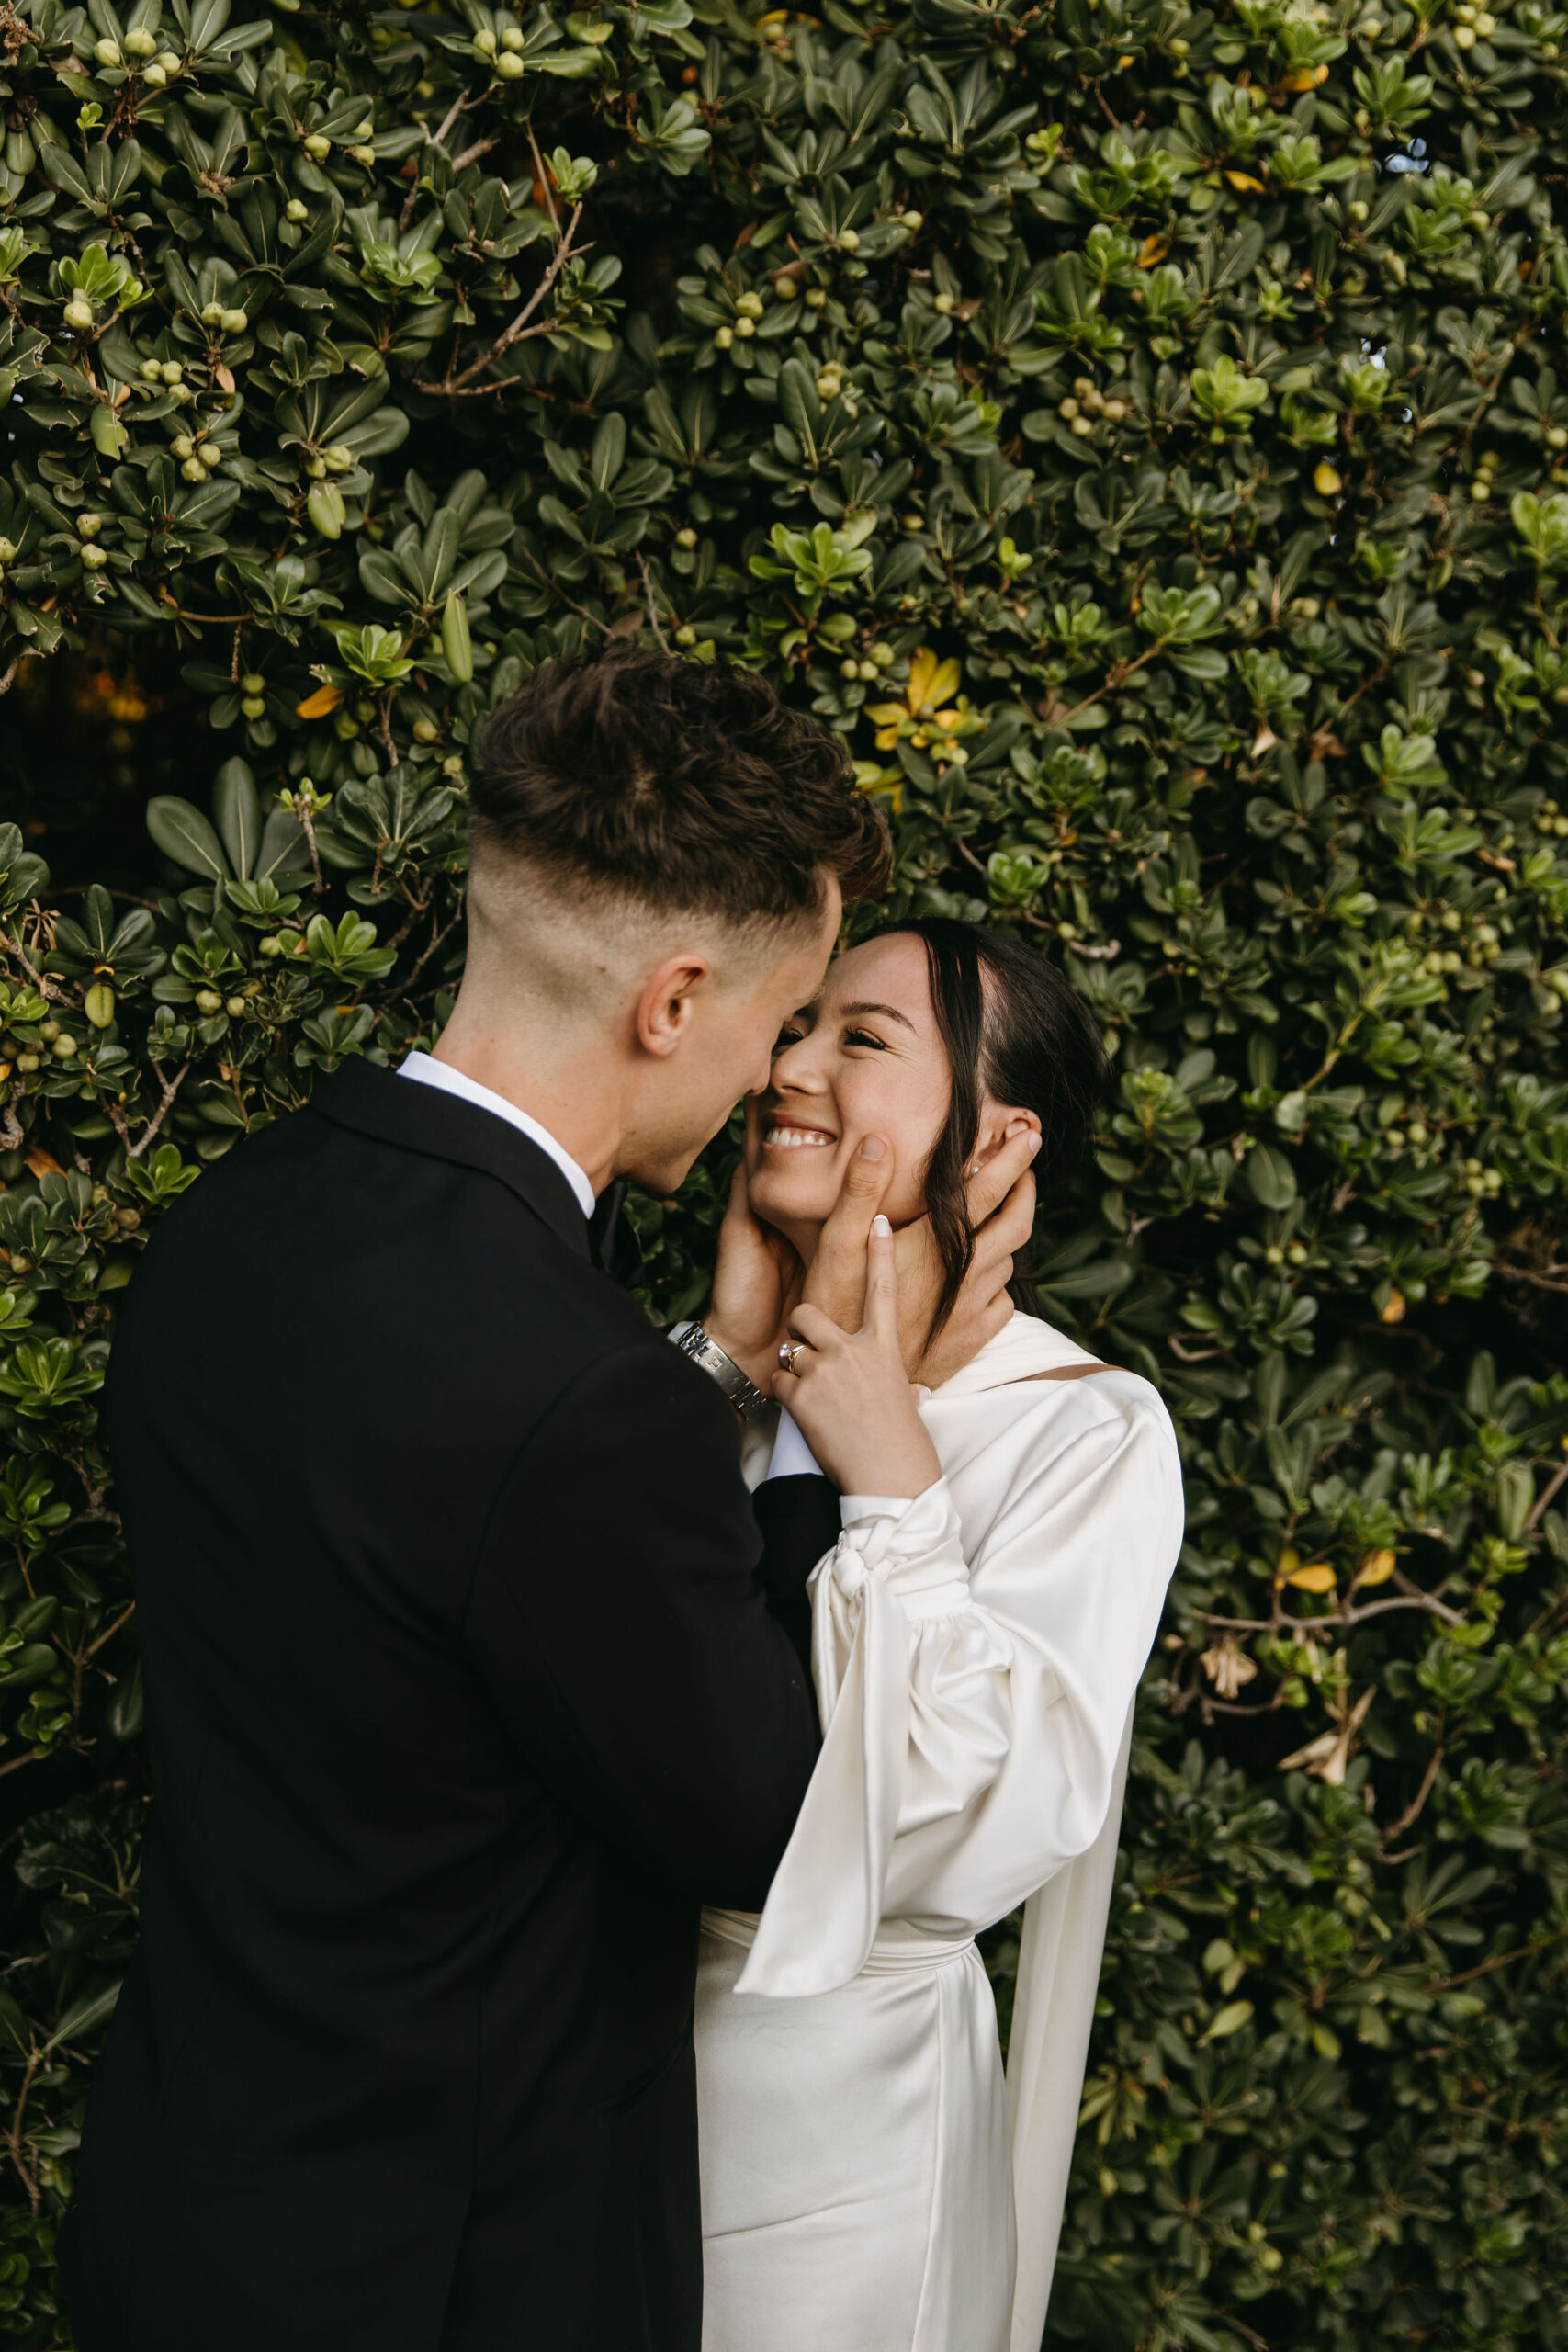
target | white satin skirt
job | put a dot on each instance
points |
(856, 2182)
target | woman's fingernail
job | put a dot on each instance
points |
(1034, 1144)
(881, 1227)
(874, 1148)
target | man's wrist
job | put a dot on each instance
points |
(699, 1342)
(758, 1368)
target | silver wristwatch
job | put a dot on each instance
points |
(744, 1395)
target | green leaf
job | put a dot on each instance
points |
(185, 836)
(1270, 1177)
(237, 808)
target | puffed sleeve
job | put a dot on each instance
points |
(973, 1703)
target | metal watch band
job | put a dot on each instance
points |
(744, 1395)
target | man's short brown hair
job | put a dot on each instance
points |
(687, 786)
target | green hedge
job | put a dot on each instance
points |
(1138, 429)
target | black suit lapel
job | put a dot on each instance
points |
(375, 1101)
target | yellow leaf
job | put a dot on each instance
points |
(1376, 1568)
(922, 670)
(945, 683)
(1305, 79)
(887, 713)
(1394, 1311)
(1153, 249)
(1122, 64)
(886, 737)
(43, 1163)
(1326, 481)
(317, 705)
(1245, 183)
(1316, 1577)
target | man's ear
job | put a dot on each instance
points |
(999, 1124)
(663, 1008)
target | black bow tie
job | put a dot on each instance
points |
(612, 1244)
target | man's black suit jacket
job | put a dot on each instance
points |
(467, 1681)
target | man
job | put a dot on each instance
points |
(467, 1663)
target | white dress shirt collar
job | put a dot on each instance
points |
(468, 1090)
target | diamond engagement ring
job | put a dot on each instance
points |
(788, 1351)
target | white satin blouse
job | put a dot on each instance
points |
(977, 1653)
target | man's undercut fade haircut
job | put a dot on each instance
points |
(689, 787)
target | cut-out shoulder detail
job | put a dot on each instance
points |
(1069, 1372)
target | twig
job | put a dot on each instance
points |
(1546, 1496)
(9, 672)
(427, 951)
(652, 613)
(1541, 1281)
(471, 155)
(110, 1631)
(460, 104)
(556, 590)
(206, 620)
(13, 1135)
(1336, 1617)
(1184, 1355)
(454, 386)
(1397, 1828)
(302, 810)
(1521, 1952)
(171, 1086)
(13, 2136)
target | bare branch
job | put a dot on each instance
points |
(519, 331)
(471, 155)
(171, 1086)
(1397, 1828)
(1521, 1952)
(652, 609)
(1336, 1617)
(1547, 1495)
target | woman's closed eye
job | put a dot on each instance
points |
(864, 1037)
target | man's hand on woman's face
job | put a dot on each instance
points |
(1000, 1198)
(757, 1280)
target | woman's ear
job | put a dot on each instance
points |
(999, 1124)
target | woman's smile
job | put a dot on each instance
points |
(784, 1134)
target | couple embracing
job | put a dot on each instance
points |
(584, 1754)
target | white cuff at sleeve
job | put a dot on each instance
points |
(857, 1509)
(791, 1457)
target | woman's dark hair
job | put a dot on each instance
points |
(1016, 1031)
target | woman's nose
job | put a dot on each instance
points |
(798, 1067)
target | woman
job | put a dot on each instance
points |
(978, 1635)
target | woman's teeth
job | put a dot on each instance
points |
(795, 1139)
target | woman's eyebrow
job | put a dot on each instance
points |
(889, 1013)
